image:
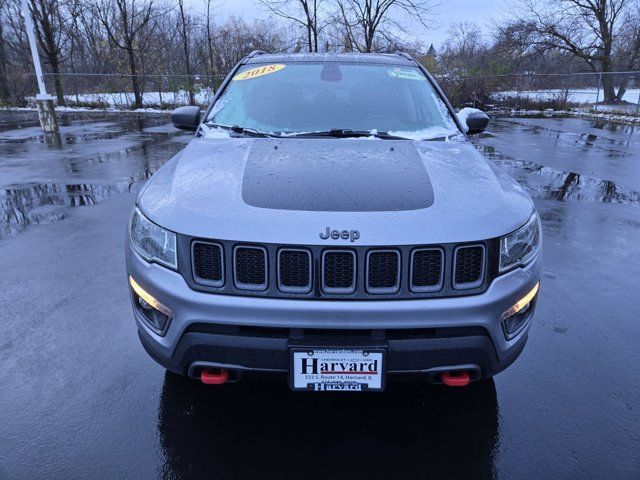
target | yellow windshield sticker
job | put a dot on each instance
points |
(259, 71)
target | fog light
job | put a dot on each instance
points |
(155, 314)
(514, 318)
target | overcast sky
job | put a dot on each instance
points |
(481, 12)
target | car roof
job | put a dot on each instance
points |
(384, 58)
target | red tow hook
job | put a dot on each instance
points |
(214, 376)
(455, 379)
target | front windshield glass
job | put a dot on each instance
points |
(289, 98)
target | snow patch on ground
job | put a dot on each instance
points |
(581, 113)
(583, 95)
(88, 109)
(124, 99)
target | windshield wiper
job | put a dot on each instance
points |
(348, 133)
(252, 132)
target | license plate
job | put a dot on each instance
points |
(337, 369)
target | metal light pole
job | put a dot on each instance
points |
(44, 102)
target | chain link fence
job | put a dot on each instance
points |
(618, 91)
(115, 90)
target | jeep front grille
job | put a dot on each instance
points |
(426, 269)
(383, 271)
(349, 273)
(207, 263)
(469, 266)
(250, 266)
(339, 271)
(294, 270)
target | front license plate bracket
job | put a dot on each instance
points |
(337, 368)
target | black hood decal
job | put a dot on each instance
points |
(347, 175)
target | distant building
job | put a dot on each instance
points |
(432, 52)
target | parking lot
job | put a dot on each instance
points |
(79, 398)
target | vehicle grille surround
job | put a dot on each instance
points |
(207, 263)
(294, 270)
(251, 267)
(383, 271)
(469, 266)
(338, 273)
(426, 269)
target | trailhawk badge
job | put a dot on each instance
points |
(351, 235)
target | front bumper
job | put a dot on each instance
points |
(254, 334)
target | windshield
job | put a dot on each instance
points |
(314, 97)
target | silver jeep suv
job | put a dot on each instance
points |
(331, 223)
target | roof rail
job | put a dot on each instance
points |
(255, 53)
(405, 55)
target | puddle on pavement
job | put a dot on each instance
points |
(550, 183)
(534, 151)
(45, 203)
(96, 156)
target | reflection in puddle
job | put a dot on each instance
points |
(550, 183)
(94, 158)
(46, 203)
(417, 428)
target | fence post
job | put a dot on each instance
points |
(475, 93)
(598, 91)
(637, 104)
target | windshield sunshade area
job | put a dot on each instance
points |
(297, 98)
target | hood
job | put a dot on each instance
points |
(394, 192)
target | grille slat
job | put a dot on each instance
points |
(383, 271)
(294, 270)
(469, 266)
(207, 263)
(251, 268)
(339, 271)
(426, 269)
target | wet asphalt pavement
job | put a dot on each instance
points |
(79, 398)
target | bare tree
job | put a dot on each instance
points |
(303, 13)
(209, 35)
(236, 38)
(5, 94)
(627, 51)
(185, 25)
(463, 50)
(587, 29)
(49, 23)
(367, 21)
(128, 24)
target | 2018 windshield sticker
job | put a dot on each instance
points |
(406, 74)
(259, 71)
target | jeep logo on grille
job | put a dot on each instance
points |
(352, 235)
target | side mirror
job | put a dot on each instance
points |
(186, 118)
(476, 120)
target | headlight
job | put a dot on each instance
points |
(519, 247)
(153, 243)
